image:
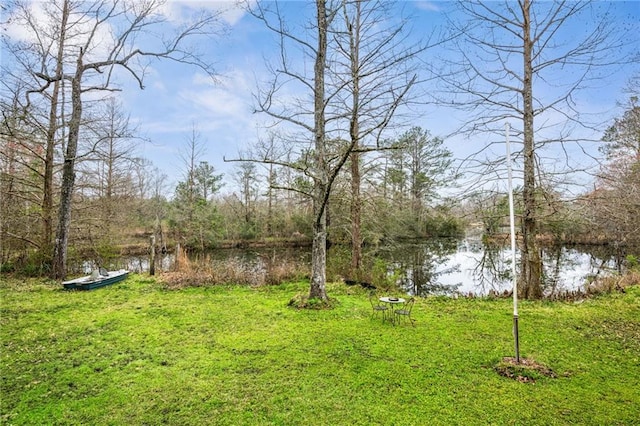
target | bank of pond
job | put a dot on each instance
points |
(450, 267)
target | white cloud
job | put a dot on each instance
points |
(428, 5)
(201, 79)
(221, 111)
(158, 85)
(228, 102)
(18, 31)
(40, 18)
(178, 11)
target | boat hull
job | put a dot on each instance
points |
(87, 283)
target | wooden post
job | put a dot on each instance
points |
(152, 261)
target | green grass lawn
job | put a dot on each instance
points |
(135, 354)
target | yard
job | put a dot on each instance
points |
(136, 353)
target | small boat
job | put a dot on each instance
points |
(96, 280)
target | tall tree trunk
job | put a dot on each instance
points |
(319, 257)
(47, 193)
(356, 214)
(354, 131)
(270, 194)
(68, 175)
(321, 183)
(531, 274)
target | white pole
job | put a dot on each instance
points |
(512, 223)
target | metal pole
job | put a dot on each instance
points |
(512, 223)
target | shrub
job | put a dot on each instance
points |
(205, 272)
(608, 284)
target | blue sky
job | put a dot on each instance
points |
(178, 97)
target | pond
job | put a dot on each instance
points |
(449, 267)
(442, 266)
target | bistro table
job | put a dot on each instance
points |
(393, 302)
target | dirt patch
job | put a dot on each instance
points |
(526, 371)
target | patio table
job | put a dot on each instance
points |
(393, 302)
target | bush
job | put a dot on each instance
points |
(206, 272)
(383, 276)
(609, 284)
(633, 263)
(31, 264)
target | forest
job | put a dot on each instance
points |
(345, 158)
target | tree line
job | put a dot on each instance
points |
(346, 163)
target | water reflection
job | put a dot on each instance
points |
(425, 266)
(443, 266)
(450, 267)
(473, 267)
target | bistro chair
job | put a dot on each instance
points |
(376, 306)
(405, 312)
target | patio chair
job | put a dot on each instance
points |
(405, 312)
(377, 307)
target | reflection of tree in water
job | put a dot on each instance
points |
(608, 257)
(602, 259)
(557, 259)
(424, 267)
(552, 261)
(422, 264)
(493, 270)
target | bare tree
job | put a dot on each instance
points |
(105, 180)
(20, 179)
(318, 160)
(157, 203)
(362, 75)
(615, 201)
(85, 44)
(115, 151)
(286, 187)
(322, 172)
(523, 61)
(374, 68)
(34, 55)
(623, 136)
(272, 178)
(107, 165)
